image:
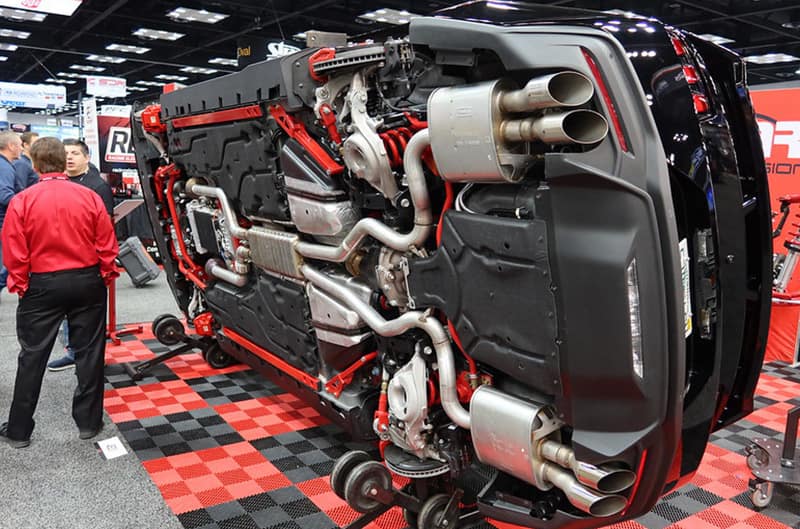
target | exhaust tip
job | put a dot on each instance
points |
(585, 126)
(616, 480)
(570, 89)
(607, 506)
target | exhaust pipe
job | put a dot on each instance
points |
(562, 89)
(583, 127)
(583, 498)
(604, 479)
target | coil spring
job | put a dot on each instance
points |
(395, 141)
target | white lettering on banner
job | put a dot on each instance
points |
(775, 134)
(119, 148)
(56, 7)
(90, 133)
(279, 49)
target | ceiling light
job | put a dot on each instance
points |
(69, 74)
(298, 36)
(771, 58)
(157, 34)
(224, 62)
(195, 69)
(149, 83)
(59, 81)
(105, 58)
(500, 5)
(185, 14)
(19, 14)
(138, 88)
(14, 33)
(389, 16)
(87, 68)
(125, 48)
(3, 58)
(8, 47)
(716, 39)
(166, 77)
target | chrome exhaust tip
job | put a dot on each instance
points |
(604, 478)
(583, 127)
(561, 89)
(582, 497)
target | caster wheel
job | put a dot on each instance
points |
(761, 494)
(431, 513)
(216, 357)
(341, 469)
(157, 320)
(168, 330)
(363, 480)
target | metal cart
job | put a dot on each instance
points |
(773, 462)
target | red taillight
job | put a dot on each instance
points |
(690, 74)
(612, 110)
(677, 45)
(700, 103)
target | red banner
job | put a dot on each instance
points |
(778, 117)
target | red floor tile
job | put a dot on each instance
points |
(210, 477)
(268, 416)
(149, 400)
(131, 351)
(192, 365)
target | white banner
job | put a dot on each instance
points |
(32, 95)
(118, 146)
(56, 7)
(90, 134)
(97, 85)
(120, 111)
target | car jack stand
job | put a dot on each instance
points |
(112, 332)
(773, 462)
(138, 370)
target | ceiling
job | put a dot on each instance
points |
(55, 44)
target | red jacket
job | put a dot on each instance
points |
(56, 225)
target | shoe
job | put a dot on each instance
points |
(12, 442)
(88, 434)
(61, 364)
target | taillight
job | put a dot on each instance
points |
(677, 45)
(690, 74)
(700, 103)
(612, 110)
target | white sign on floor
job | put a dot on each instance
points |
(112, 448)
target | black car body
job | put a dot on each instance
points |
(596, 244)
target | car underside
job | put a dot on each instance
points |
(528, 257)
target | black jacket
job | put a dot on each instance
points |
(95, 182)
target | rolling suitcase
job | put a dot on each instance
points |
(137, 262)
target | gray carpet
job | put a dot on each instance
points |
(59, 481)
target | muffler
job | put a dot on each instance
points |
(562, 89)
(508, 433)
(583, 127)
(603, 478)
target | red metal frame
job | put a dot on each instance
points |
(298, 131)
(335, 385)
(220, 116)
(301, 376)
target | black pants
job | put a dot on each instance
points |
(80, 296)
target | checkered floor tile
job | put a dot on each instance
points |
(229, 450)
(233, 387)
(269, 416)
(212, 476)
(178, 433)
(148, 400)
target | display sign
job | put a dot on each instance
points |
(116, 152)
(98, 85)
(779, 127)
(251, 49)
(55, 7)
(32, 95)
(90, 135)
(120, 111)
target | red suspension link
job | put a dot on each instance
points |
(395, 141)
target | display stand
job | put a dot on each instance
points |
(121, 210)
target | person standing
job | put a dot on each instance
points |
(81, 172)
(23, 167)
(10, 150)
(59, 250)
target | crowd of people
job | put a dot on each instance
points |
(58, 252)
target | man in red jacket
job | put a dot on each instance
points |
(59, 248)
